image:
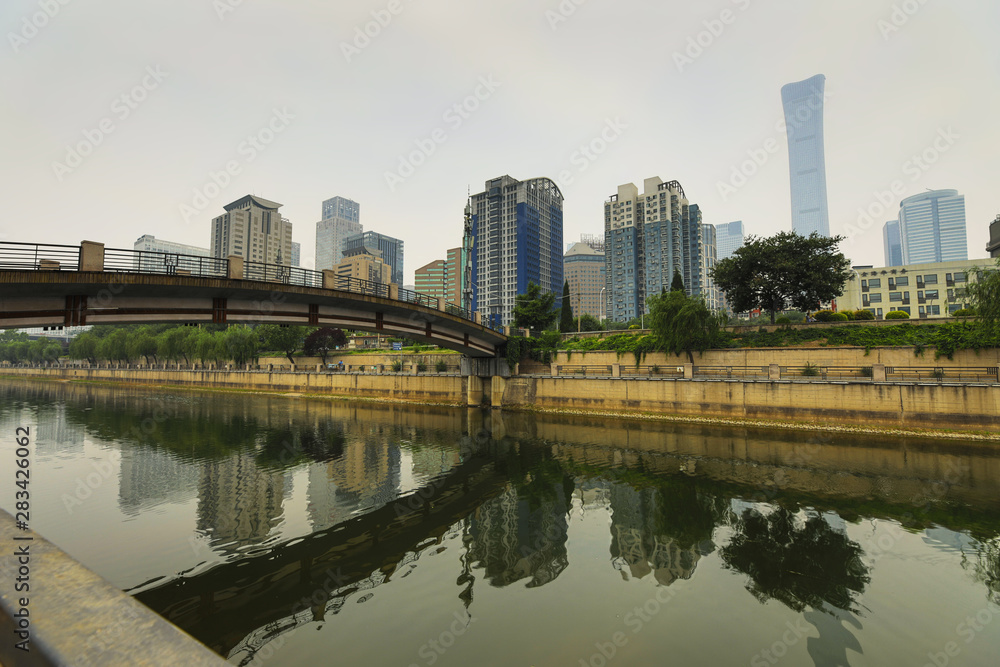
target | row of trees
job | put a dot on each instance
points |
(209, 344)
(15, 347)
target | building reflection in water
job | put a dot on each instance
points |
(150, 477)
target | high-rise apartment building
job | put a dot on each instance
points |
(892, 245)
(388, 248)
(583, 267)
(709, 238)
(595, 241)
(728, 239)
(993, 247)
(431, 279)
(253, 228)
(174, 254)
(647, 238)
(341, 219)
(803, 106)
(932, 227)
(518, 232)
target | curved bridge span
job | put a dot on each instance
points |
(49, 286)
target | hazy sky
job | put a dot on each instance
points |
(117, 113)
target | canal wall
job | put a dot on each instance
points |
(888, 405)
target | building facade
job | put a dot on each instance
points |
(709, 255)
(803, 106)
(993, 247)
(253, 228)
(729, 238)
(365, 265)
(170, 250)
(922, 291)
(431, 279)
(932, 227)
(388, 248)
(583, 267)
(517, 228)
(296, 254)
(648, 237)
(892, 245)
(341, 219)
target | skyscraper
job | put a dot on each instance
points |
(892, 245)
(993, 247)
(932, 227)
(518, 231)
(803, 105)
(442, 278)
(341, 218)
(296, 254)
(584, 269)
(153, 261)
(728, 239)
(253, 228)
(647, 238)
(388, 248)
(709, 237)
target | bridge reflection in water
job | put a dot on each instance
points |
(388, 486)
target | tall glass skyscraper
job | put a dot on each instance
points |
(729, 239)
(389, 249)
(341, 218)
(803, 104)
(892, 243)
(518, 231)
(932, 227)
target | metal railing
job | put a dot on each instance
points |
(458, 311)
(120, 260)
(731, 372)
(279, 273)
(986, 374)
(653, 371)
(826, 372)
(358, 286)
(38, 257)
(585, 370)
(409, 296)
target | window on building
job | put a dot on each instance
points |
(931, 279)
(960, 277)
(875, 298)
(895, 296)
(903, 281)
(905, 309)
(875, 283)
(931, 294)
(933, 310)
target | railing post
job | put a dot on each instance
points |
(774, 372)
(442, 304)
(878, 373)
(394, 291)
(329, 279)
(477, 318)
(555, 370)
(91, 256)
(235, 267)
(688, 371)
(616, 370)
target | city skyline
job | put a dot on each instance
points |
(715, 109)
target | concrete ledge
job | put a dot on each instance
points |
(77, 618)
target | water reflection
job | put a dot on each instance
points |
(306, 506)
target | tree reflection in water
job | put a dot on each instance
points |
(798, 562)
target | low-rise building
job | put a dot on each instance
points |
(920, 290)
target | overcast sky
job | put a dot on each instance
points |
(116, 113)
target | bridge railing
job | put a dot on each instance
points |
(358, 286)
(277, 273)
(121, 260)
(409, 296)
(458, 311)
(38, 257)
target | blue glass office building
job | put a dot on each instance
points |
(892, 244)
(932, 227)
(803, 105)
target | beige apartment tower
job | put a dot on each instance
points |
(252, 228)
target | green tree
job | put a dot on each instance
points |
(178, 343)
(590, 323)
(566, 313)
(143, 343)
(534, 310)
(284, 339)
(240, 344)
(677, 284)
(785, 269)
(114, 346)
(84, 346)
(984, 297)
(321, 341)
(682, 324)
(206, 346)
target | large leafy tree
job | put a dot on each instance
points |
(677, 284)
(178, 342)
(285, 339)
(84, 346)
(783, 270)
(682, 324)
(984, 295)
(143, 343)
(534, 310)
(321, 341)
(240, 344)
(566, 313)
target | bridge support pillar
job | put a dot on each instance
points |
(235, 271)
(878, 373)
(91, 256)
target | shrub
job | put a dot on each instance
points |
(864, 314)
(634, 326)
(809, 370)
(938, 373)
(838, 317)
(654, 370)
(897, 315)
(441, 367)
(397, 366)
(849, 314)
(783, 320)
(964, 312)
(866, 371)
(421, 367)
(824, 316)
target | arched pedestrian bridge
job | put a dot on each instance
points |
(43, 285)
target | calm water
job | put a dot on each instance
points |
(285, 531)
